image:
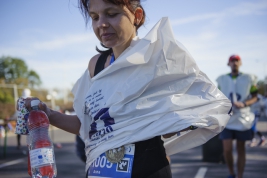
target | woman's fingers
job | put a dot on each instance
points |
(28, 102)
(42, 106)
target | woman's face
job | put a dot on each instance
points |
(113, 25)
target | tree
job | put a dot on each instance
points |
(15, 71)
(33, 78)
(262, 87)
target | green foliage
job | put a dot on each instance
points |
(6, 96)
(33, 78)
(13, 68)
(261, 87)
(15, 71)
(6, 103)
(6, 110)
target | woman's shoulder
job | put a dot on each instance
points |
(92, 63)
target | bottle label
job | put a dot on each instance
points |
(41, 156)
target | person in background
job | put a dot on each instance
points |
(79, 144)
(79, 148)
(238, 87)
(257, 109)
(265, 105)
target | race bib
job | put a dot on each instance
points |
(101, 167)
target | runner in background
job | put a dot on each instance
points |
(265, 106)
(238, 87)
(257, 108)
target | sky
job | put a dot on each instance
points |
(52, 38)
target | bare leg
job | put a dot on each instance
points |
(168, 158)
(241, 159)
(228, 155)
(259, 134)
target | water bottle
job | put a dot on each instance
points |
(42, 156)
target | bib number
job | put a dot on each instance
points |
(101, 167)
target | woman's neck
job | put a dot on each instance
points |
(117, 51)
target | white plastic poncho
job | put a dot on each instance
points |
(153, 88)
(238, 89)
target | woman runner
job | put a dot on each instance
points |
(115, 24)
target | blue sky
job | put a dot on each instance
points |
(51, 36)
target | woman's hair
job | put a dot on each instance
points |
(130, 4)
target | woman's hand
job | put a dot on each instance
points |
(239, 104)
(42, 106)
(69, 123)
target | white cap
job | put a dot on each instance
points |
(35, 103)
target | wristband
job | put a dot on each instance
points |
(245, 105)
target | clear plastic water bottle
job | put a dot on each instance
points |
(42, 156)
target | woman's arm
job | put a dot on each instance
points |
(69, 123)
(248, 102)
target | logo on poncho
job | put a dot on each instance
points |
(102, 115)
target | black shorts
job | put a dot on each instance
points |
(149, 158)
(235, 134)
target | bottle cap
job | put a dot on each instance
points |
(35, 103)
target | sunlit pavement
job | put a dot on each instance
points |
(68, 164)
(187, 164)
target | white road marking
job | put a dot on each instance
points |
(201, 172)
(12, 162)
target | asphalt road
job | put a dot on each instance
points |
(187, 164)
